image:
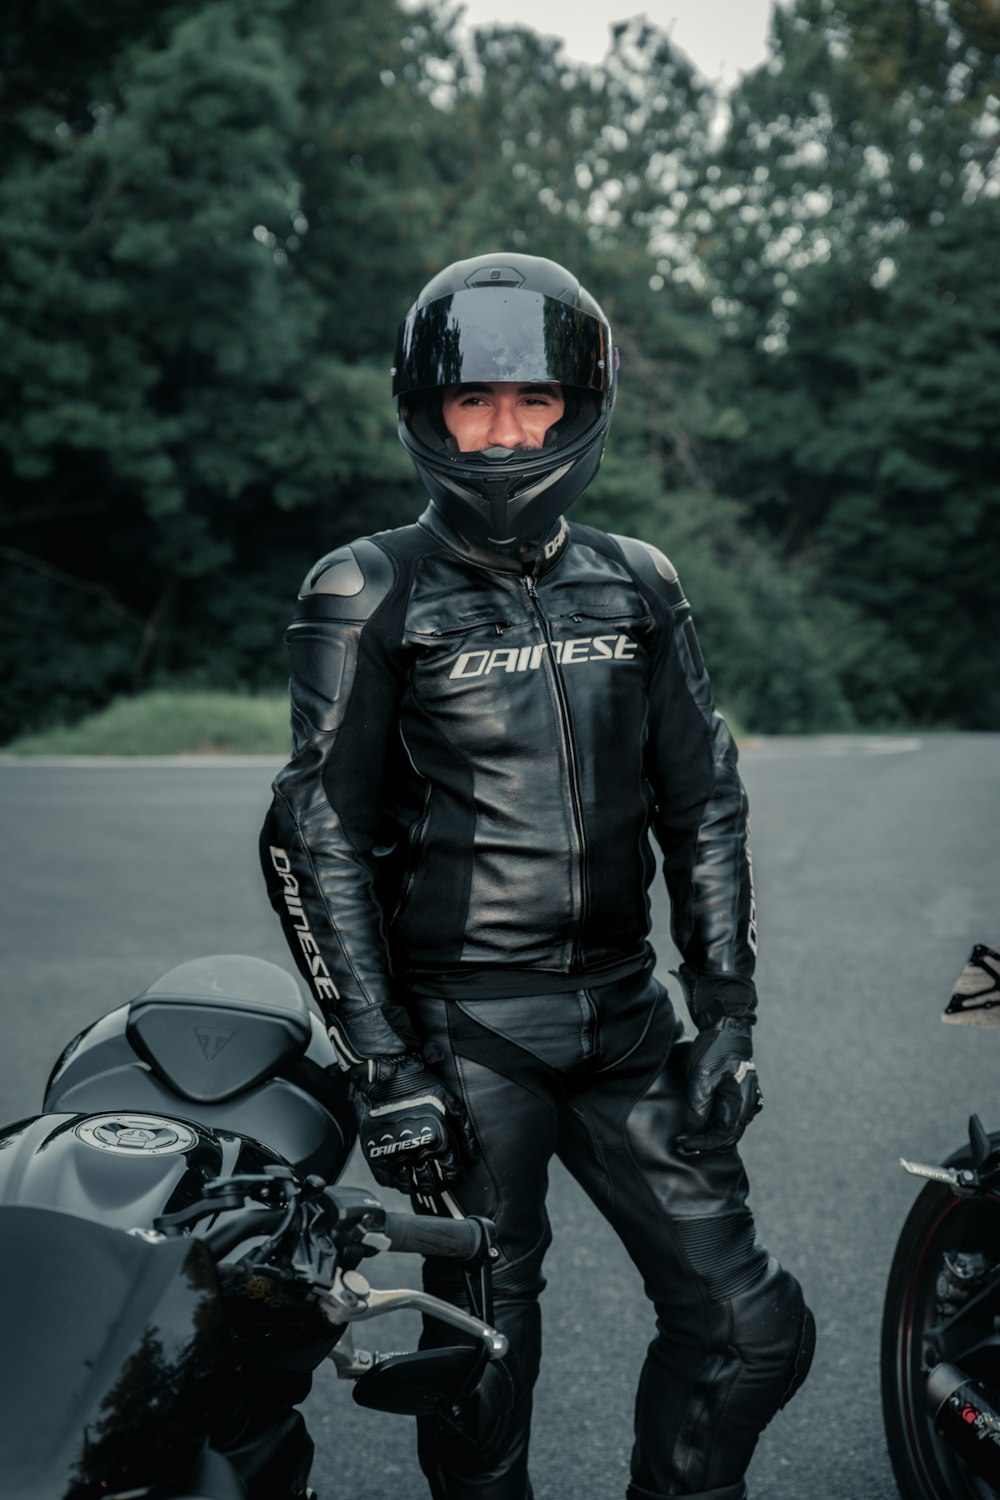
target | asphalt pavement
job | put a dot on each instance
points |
(878, 867)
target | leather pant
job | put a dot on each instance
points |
(596, 1078)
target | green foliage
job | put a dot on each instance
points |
(769, 663)
(854, 212)
(213, 214)
(179, 407)
(172, 723)
(133, 289)
(66, 649)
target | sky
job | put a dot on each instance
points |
(723, 38)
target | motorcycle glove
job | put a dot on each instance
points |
(723, 1093)
(712, 996)
(414, 1134)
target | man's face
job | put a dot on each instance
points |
(501, 414)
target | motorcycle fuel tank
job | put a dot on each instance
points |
(122, 1167)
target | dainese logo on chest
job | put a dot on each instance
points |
(578, 651)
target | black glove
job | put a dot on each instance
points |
(415, 1135)
(723, 1095)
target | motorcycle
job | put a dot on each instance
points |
(176, 1258)
(940, 1349)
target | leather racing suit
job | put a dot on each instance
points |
(460, 843)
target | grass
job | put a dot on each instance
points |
(177, 722)
(171, 722)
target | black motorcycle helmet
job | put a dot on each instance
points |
(505, 317)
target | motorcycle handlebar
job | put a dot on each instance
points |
(367, 1222)
(455, 1239)
(418, 1234)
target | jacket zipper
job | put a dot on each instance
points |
(569, 752)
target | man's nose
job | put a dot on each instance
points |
(506, 430)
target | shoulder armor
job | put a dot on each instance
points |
(336, 573)
(657, 573)
(640, 553)
(348, 584)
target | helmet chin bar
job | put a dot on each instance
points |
(492, 512)
(498, 454)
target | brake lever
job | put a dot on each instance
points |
(352, 1299)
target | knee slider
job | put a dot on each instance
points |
(773, 1328)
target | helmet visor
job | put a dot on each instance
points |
(508, 334)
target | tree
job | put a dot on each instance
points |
(169, 384)
(846, 226)
(215, 212)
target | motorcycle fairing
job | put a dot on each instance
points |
(132, 1331)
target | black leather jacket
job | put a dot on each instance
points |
(478, 758)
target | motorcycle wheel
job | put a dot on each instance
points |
(915, 1338)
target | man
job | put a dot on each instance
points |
(491, 710)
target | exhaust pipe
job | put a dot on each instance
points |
(966, 1413)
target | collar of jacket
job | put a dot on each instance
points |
(546, 556)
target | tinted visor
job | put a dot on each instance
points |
(494, 333)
